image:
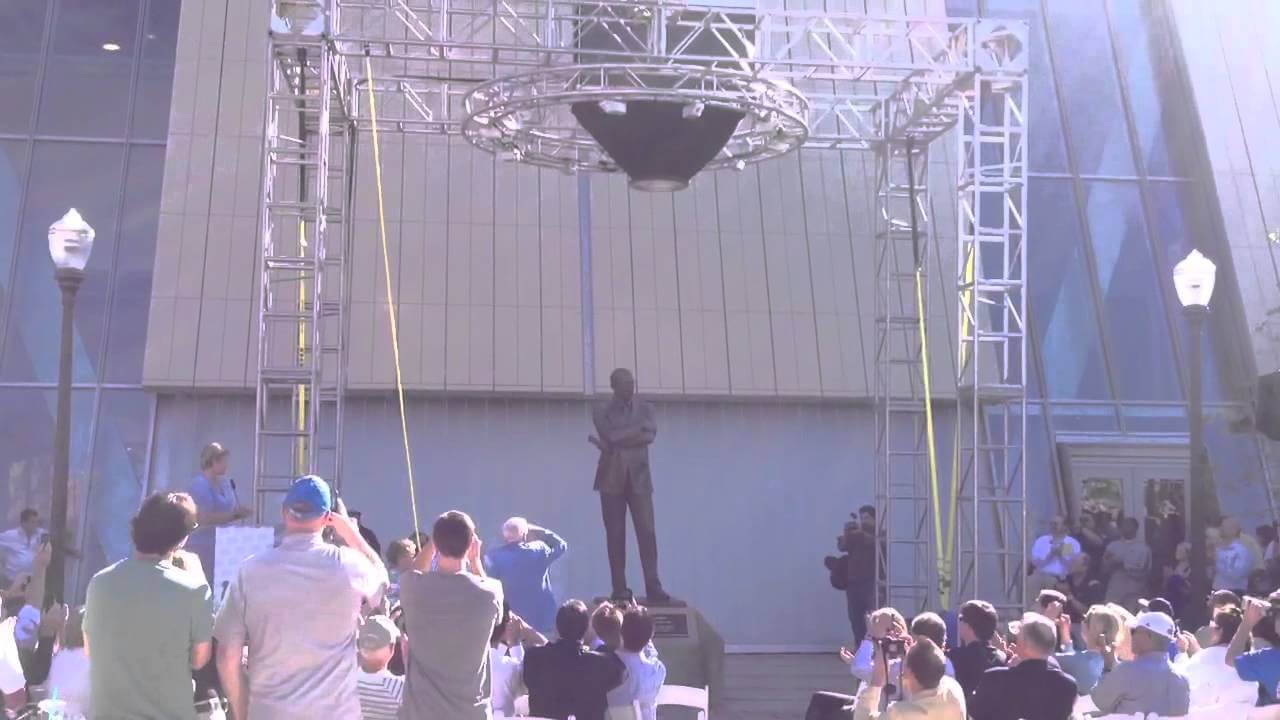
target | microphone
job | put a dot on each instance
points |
(234, 491)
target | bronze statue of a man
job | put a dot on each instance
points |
(626, 428)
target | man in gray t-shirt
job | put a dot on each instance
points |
(449, 615)
(296, 608)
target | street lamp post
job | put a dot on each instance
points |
(1193, 278)
(70, 241)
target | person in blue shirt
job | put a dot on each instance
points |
(523, 566)
(217, 504)
(1260, 666)
(1087, 664)
(646, 673)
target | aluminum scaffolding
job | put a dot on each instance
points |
(308, 185)
(905, 504)
(992, 363)
(501, 73)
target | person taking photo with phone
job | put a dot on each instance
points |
(296, 607)
(1260, 666)
(1031, 687)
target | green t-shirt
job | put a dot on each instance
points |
(142, 618)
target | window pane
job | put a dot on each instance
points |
(13, 169)
(1149, 64)
(1181, 223)
(1084, 418)
(131, 286)
(26, 450)
(1086, 68)
(1238, 478)
(85, 176)
(90, 69)
(1155, 418)
(21, 36)
(1141, 353)
(116, 481)
(155, 71)
(1061, 298)
(1047, 153)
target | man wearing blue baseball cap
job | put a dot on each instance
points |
(297, 608)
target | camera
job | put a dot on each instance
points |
(1273, 612)
(893, 648)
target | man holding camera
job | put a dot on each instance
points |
(927, 692)
(859, 541)
(1260, 666)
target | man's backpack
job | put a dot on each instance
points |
(838, 567)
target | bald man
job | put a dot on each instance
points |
(625, 428)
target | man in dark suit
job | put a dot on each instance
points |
(976, 652)
(1033, 687)
(565, 678)
(626, 428)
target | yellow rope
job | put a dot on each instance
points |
(391, 307)
(953, 510)
(944, 580)
(300, 408)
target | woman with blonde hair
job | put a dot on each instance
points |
(1123, 646)
(1102, 633)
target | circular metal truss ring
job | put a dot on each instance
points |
(527, 118)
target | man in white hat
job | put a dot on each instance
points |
(1149, 683)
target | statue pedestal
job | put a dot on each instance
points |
(691, 649)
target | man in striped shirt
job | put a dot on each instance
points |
(379, 690)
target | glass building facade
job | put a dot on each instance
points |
(86, 87)
(1120, 191)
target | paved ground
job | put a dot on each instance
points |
(776, 687)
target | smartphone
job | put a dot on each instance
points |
(1015, 628)
(44, 538)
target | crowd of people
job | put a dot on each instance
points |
(1112, 628)
(319, 626)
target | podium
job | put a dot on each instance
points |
(688, 645)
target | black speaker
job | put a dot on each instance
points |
(1267, 411)
(661, 145)
(657, 144)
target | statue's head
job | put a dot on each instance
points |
(623, 384)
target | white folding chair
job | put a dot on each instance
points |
(1217, 712)
(625, 712)
(1084, 705)
(684, 696)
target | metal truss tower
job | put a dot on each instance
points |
(308, 184)
(905, 505)
(504, 74)
(992, 364)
